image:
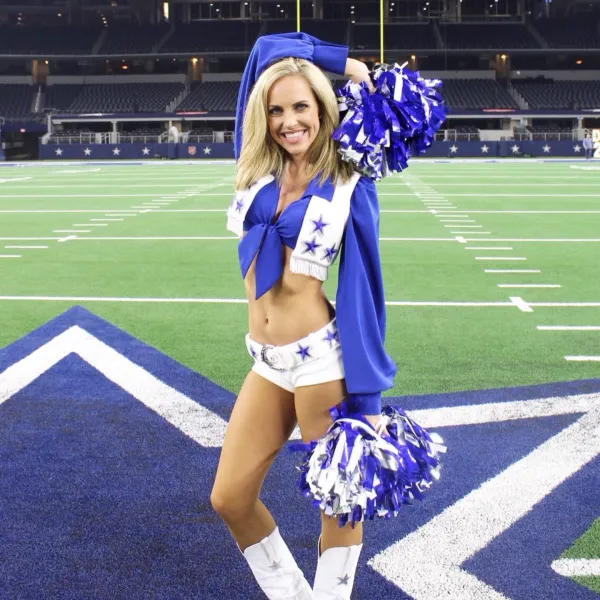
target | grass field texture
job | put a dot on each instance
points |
(491, 270)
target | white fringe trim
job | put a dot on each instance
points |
(307, 267)
(235, 226)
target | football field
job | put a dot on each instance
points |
(491, 270)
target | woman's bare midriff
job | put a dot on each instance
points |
(294, 307)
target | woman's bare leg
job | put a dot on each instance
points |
(261, 422)
(312, 409)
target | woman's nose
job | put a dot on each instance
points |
(289, 120)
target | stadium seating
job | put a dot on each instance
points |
(570, 33)
(559, 94)
(490, 36)
(47, 40)
(551, 132)
(220, 96)
(465, 132)
(133, 39)
(397, 37)
(81, 135)
(213, 36)
(16, 101)
(194, 100)
(61, 96)
(124, 97)
(476, 93)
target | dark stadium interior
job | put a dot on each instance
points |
(137, 57)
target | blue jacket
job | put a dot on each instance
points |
(360, 302)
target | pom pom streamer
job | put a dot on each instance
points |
(379, 132)
(356, 474)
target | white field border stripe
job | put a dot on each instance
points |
(583, 358)
(577, 567)
(195, 421)
(426, 564)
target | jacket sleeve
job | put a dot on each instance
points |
(360, 305)
(268, 49)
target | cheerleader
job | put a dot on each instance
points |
(305, 193)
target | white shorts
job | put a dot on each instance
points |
(317, 358)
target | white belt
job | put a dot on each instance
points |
(284, 358)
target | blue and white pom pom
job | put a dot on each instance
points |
(356, 474)
(379, 132)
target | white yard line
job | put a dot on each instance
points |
(583, 358)
(26, 247)
(488, 248)
(512, 271)
(528, 285)
(10, 256)
(521, 304)
(383, 211)
(500, 258)
(569, 327)
(71, 230)
(225, 301)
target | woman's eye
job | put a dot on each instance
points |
(300, 106)
(273, 111)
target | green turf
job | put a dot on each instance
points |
(437, 348)
(587, 546)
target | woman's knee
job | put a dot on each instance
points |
(231, 504)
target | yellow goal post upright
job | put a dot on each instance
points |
(381, 15)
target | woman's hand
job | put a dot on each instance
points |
(357, 71)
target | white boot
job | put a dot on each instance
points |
(275, 569)
(336, 568)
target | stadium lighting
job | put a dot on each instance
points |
(503, 56)
(578, 62)
(46, 62)
(413, 57)
(60, 14)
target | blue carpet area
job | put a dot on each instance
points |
(103, 499)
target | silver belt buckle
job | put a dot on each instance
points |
(265, 358)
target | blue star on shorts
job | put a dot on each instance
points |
(239, 204)
(331, 337)
(303, 351)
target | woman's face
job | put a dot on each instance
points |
(293, 114)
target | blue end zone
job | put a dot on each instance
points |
(102, 498)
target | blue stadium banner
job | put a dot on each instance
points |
(457, 149)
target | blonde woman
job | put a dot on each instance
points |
(298, 205)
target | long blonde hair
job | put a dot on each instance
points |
(261, 155)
